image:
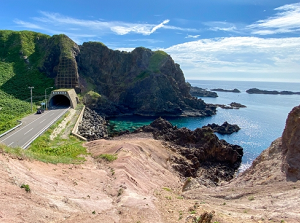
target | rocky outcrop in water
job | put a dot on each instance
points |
(92, 126)
(258, 91)
(200, 92)
(203, 155)
(232, 105)
(224, 129)
(224, 90)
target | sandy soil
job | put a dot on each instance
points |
(140, 186)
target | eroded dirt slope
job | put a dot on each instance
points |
(140, 186)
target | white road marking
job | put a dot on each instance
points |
(10, 144)
(28, 131)
(43, 121)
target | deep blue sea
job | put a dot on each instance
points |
(261, 122)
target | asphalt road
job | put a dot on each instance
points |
(32, 127)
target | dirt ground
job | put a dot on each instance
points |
(139, 186)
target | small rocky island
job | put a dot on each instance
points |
(201, 92)
(232, 105)
(224, 129)
(224, 90)
(258, 91)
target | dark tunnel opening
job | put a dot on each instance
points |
(59, 101)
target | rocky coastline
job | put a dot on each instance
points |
(258, 91)
(203, 155)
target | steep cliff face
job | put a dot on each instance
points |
(142, 82)
(291, 145)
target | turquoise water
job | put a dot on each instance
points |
(261, 122)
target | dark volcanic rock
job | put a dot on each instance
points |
(258, 91)
(92, 126)
(225, 128)
(141, 82)
(200, 92)
(224, 90)
(199, 149)
(291, 145)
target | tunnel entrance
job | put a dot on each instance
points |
(59, 101)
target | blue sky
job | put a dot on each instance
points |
(211, 39)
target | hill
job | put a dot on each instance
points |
(141, 82)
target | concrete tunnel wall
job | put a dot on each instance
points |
(63, 97)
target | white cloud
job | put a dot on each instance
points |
(118, 27)
(286, 20)
(238, 55)
(192, 36)
(221, 26)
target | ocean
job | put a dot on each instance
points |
(261, 122)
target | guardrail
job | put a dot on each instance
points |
(75, 129)
(3, 134)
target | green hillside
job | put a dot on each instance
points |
(20, 55)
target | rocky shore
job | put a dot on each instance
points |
(92, 126)
(203, 155)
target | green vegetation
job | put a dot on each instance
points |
(142, 75)
(156, 60)
(94, 95)
(20, 56)
(26, 187)
(251, 198)
(108, 157)
(59, 150)
(167, 189)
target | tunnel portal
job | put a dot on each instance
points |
(59, 101)
(63, 98)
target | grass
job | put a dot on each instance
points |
(251, 198)
(60, 150)
(20, 57)
(26, 187)
(156, 60)
(108, 157)
(167, 189)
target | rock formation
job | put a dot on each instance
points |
(200, 92)
(224, 90)
(258, 91)
(279, 162)
(203, 155)
(223, 129)
(232, 105)
(291, 145)
(92, 126)
(142, 82)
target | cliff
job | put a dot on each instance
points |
(141, 82)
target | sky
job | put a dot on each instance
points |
(248, 40)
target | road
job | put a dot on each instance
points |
(32, 127)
